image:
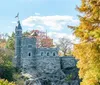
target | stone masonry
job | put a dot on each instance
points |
(43, 65)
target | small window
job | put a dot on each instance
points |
(42, 54)
(48, 54)
(29, 46)
(53, 54)
(29, 54)
(54, 66)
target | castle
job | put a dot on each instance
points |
(43, 64)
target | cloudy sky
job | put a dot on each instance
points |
(50, 15)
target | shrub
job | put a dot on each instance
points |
(5, 82)
(6, 73)
(18, 79)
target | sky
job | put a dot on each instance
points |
(50, 15)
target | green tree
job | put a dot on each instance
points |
(11, 42)
(6, 65)
(88, 50)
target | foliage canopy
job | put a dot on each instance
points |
(88, 50)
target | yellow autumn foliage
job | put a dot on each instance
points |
(88, 50)
(5, 82)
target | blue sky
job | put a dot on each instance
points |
(50, 15)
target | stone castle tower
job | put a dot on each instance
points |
(18, 40)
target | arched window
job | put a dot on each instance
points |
(48, 54)
(29, 54)
(54, 54)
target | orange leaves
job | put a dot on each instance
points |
(42, 39)
(47, 42)
(82, 9)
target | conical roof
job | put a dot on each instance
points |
(19, 25)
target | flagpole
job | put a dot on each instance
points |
(17, 16)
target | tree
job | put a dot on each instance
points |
(3, 38)
(26, 34)
(42, 39)
(2, 43)
(6, 65)
(11, 42)
(65, 45)
(88, 50)
(5, 56)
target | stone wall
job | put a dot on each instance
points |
(67, 62)
(28, 53)
(65, 72)
(47, 65)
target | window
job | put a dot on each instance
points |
(29, 46)
(53, 54)
(29, 54)
(48, 54)
(54, 66)
(41, 53)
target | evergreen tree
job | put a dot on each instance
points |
(88, 50)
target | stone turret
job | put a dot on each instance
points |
(18, 40)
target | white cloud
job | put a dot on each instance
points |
(41, 28)
(29, 29)
(28, 22)
(56, 36)
(56, 22)
(53, 23)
